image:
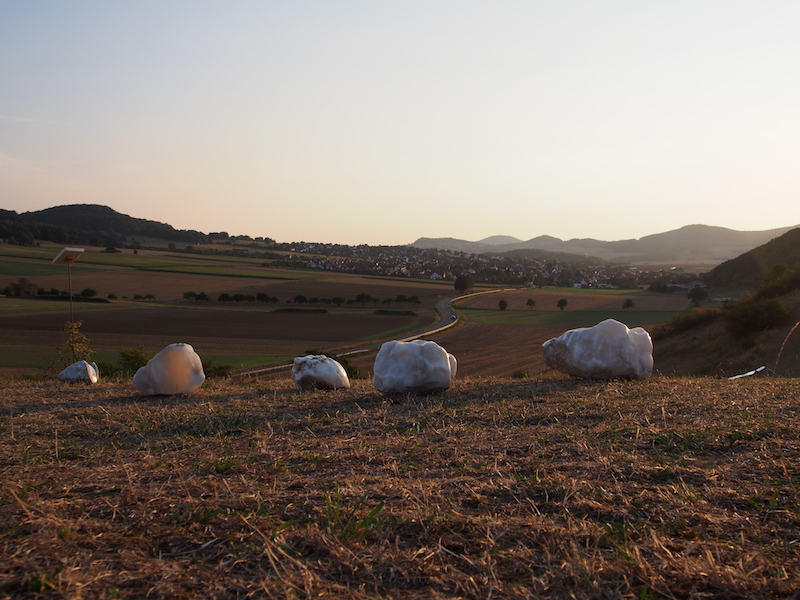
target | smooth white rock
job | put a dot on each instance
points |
(418, 366)
(80, 371)
(177, 369)
(320, 372)
(605, 351)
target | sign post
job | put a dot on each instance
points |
(67, 256)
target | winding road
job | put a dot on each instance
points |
(448, 318)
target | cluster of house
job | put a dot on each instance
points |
(446, 265)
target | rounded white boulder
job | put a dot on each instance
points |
(417, 366)
(606, 351)
(177, 369)
(317, 371)
(80, 371)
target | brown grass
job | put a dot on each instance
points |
(674, 488)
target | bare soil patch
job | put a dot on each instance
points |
(675, 488)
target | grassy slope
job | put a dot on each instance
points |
(710, 349)
(661, 488)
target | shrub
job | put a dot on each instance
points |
(129, 361)
(748, 318)
(681, 322)
(779, 285)
(213, 371)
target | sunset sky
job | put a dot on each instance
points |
(381, 122)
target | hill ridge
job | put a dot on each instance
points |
(700, 243)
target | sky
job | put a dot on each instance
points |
(379, 122)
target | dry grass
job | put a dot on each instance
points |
(675, 488)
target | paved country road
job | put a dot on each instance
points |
(448, 318)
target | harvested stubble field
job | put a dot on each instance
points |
(674, 488)
(212, 330)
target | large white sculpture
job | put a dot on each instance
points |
(605, 351)
(80, 371)
(175, 370)
(417, 366)
(320, 372)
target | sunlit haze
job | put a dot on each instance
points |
(381, 122)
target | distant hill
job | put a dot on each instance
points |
(692, 243)
(17, 230)
(96, 218)
(500, 239)
(750, 268)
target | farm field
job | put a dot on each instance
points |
(551, 487)
(238, 334)
(245, 335)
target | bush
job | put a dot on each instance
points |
(132, 359)
(213, 371)
(681, 322)
(748, 318)
(779, 285)
(129, 361)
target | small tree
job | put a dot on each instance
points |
(189, 295)
(627, 304)
(562, 304)
(697, 295)
(76, 344)
(464, 283)
(502, 304)
(531, 303)
(363, 297)
(300, 299)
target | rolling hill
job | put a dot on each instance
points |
(98, 218)
(692, 243)
(750, 268)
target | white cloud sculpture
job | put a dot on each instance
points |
(80, 371)
(320, 372)
(418, 366)
(605, 351)
(175, 370)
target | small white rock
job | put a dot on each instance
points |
(177, 369)
(605, 351)
(80, 371)
(320, 372)
(417, 366)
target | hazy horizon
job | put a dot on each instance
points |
(380, 123)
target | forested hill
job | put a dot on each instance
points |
(19, 231)
(100, 219)
(750, 268)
